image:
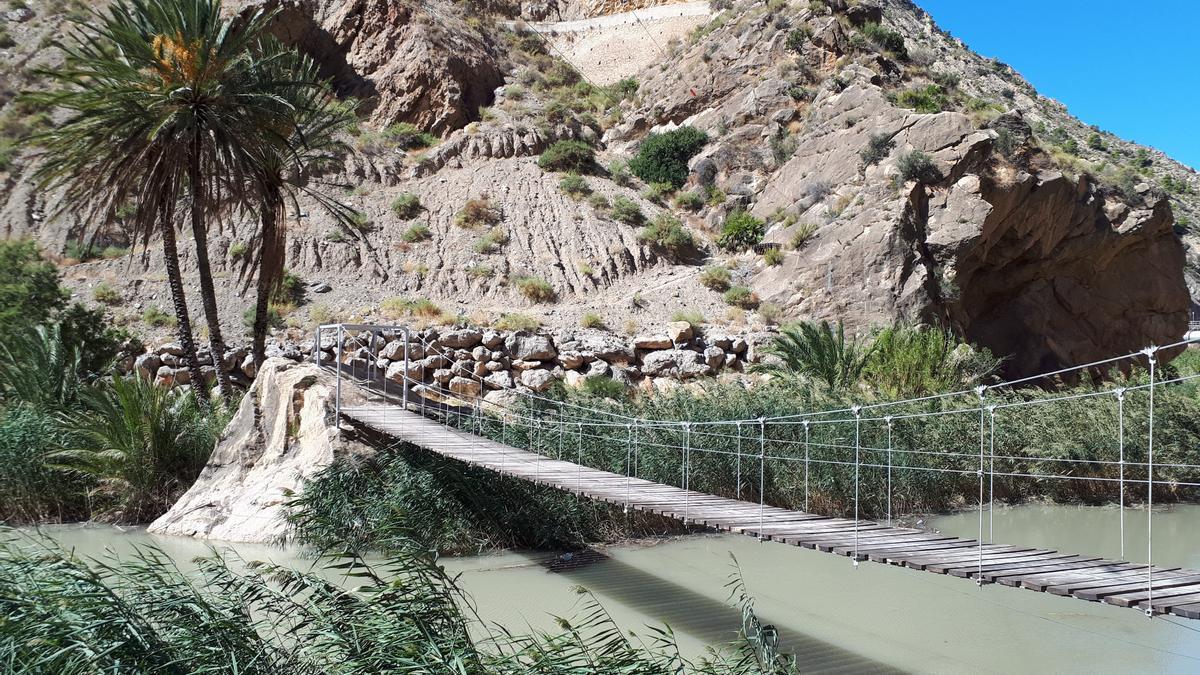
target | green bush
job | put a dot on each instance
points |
(773, 256)
(105, 293)
(591, 320)
(573, 156)
(715, 277)
(667, 233)
(408, 137)
(663, 158)
(740, 296)
(692, 317)
(574, 186)
(618, 172)
(741, 231)
(239, 250)
(689, 201)
(537, 290)
(29, 288)
(627, 211)
(491, 241)
(918, 166)
(155, 317)
(599, 202)
(796, 39)
(516, 321)
(478, 213)
(658, 192)
(888, 40)
(416, 232)
(801, 235)
(31, 489)
(406, 206)
(877, 149)
(929, 99)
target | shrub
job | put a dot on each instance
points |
(773, 256)
(658, 192)
(156, 318)
(740, 296)
(801, 235)
(408, 137)
(599, 202)
(491, 242)
(689, 201)
(929, 99)
(618, 172)
(480, 271)
(289, 289)
(274, 317)
(693, 318)
(663, 158)
(817, 351)
(238, 250)
(770, 312)
(395, 308)
(406, 206)
(592, 320)
(361, 222)
(6, 40)
(888, 40)
(667, 233)
(627, 211)
(478, 213)
(573, 156)
(537, 290)
(575, 186)
(796, 39)
(877, 149)
(604, 387)
(741, 231)
(1096, 142)
(715, 277)
(31, 489)
(106, 294)
(516, 321)
(416, 232)
(919, 166)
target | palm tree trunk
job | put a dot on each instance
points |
(179, 301)
(268, 262)
(208, 295)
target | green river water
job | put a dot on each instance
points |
(836, 617)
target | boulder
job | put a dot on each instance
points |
(492, 339)
(681, 363)
(530, 347)
(499, 380)
(443, 375)
(652, 342)
(602, 345)
(396, 372)
(679, 331)
(714, 357)
(462, 338)
(465, 387)
(147, 365)
(538, 379)
(570, 360)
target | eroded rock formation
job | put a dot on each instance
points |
(281, 434)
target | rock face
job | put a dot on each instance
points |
(281, 434)
(415, 63)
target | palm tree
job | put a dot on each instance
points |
(288, 172)
(167, 100)
(818, 351)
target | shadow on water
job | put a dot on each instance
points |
(707, 619)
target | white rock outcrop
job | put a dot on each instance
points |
(282, 434)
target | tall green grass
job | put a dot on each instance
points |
(67, 616)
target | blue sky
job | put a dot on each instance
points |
(1132, 68)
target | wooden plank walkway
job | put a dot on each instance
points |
(1085, 577)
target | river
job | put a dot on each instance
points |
(873, 618)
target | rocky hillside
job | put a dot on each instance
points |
(1034, 234)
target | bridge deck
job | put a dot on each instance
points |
(1080, 576)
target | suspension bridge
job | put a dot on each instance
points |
(651, 465)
